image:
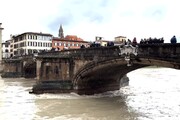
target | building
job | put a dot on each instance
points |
(6, 50)
(67, 42)
(102, 42)
(120, 39)
(30, 42)
(1, 42)
(99, 40)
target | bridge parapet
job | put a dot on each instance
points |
(161, 50)
(84, 52)
(164, 51)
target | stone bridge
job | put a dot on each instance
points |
(22, 66)
(101, 69)
(90, 70)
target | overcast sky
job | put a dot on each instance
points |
(90, 18)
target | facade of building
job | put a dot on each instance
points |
(30, 42)
(101, 42)
(67, 42)
(1, 42)
(6, 50)
(120, 39)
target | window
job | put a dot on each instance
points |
(15, 52)
(22, 51)
(24, 37)
(15, 45)
(20, 38)
(22, 44)
(29, 51)
(6, 50)
(16, 39)
(6, 45)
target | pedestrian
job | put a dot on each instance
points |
(173, 40)
(134, 42)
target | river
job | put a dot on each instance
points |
(152, 94)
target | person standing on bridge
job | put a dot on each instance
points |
(173, 40)
(134, 42)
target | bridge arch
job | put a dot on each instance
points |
(30, 69)
(102, 76)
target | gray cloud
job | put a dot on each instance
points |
(93, 16)
(155, 12)
(74, 11)
(104, 3)
(65, 19)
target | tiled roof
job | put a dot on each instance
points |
(67, 40)
(72, 37)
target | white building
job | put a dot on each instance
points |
(6, 50)
(30, 42)
(120, 39)
(1, 42)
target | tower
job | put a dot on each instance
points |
(1, 42)
(61, 33)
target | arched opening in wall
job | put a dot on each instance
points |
(30, 70)
(103, 77)
(106, 76)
